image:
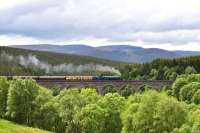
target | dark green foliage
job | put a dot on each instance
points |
(187, 92)
(109, 89)
(196, 97)
(186, 88)
(168, 90)
(4, 86)
(177, 85)
(153, 74)
(145, 87)
(190, 70)
(56, 90)
(126, 90)
(162, 69)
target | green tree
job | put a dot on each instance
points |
(21, 100)
(113, 105)
(153, 74)
(192, 125)
(90, 95)
(173, 76)
(196, 97)
(4, 86)
(187, 92)
(169, 115)
(45, 115)
(177, 85)
(92, 119)
(138, 117)
(69, 104)
(152, 112)
(190, 70)
(194, 121)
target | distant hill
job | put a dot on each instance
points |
(16, 61)
(124, 53)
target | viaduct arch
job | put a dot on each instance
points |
(118, 84)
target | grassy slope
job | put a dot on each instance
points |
(10, 127)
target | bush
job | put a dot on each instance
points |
(56, 90)
(177, 85)
(190, 70)
(4, 86)
(187, 92)
(126, 91)
(196, 97)
(192, 125)
(108, 89)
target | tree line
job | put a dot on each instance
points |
(162, 69)
(173, 109)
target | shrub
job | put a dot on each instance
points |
(108, 89)
(187, 92)
(4, 86)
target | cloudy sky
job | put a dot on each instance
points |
(168, 24)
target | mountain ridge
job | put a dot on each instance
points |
(123, 53)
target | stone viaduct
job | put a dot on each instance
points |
(118, 84)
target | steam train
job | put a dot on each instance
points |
(69, 78)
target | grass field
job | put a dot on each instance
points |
(10, 127)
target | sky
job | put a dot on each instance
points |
(166, 24)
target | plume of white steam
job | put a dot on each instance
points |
(33, 61)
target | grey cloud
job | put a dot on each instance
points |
(79, 19)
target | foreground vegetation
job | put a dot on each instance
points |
(10, 127)
(175, 109)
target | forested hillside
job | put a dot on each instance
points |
(167, 69)
(14, 61)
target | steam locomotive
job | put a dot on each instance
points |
(69, 78)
